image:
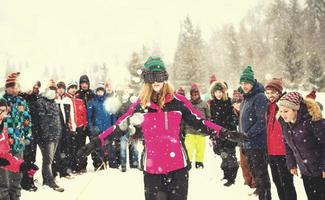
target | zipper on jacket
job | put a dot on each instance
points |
(241, 116)
(166, 121)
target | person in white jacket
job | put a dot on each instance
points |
(62, 160)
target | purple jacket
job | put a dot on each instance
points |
(164, 146)
(305, 140)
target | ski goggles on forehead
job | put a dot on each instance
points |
(154, 76)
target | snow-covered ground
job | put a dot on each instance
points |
(111, 183)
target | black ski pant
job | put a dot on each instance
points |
(171, 186)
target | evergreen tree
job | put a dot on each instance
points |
(315, 72)
(189, 60)
(135, 66)
(291, 59)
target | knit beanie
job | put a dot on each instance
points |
(248, 76)
(275, 84)
(61, 84)
(237, 97)
(154, 70)
(100, 86)
(194, 88)
(84, 79)
(11, 80)
(291, 100)
(312, 95)
(72, 84)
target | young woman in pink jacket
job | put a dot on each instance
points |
(159, 113)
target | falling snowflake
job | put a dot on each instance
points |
(133, 99)
(139, 71)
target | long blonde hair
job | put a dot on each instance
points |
(147, 91)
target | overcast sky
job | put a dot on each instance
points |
(78, 33)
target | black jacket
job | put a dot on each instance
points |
(50, 126)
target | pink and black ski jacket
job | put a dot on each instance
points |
(164, 145)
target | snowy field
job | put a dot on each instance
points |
(112, 184)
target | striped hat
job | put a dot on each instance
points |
(291, 100)
(12, 79)
(275, 84)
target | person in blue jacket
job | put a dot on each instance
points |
(252, 122)
(99, 119)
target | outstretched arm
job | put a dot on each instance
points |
(111, 132)
(194, 119)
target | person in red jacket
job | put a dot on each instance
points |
(80, 116)
(281, 176)
(8, 162)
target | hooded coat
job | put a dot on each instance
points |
(305, 140)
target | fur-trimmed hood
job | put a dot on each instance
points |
(313, 109)
(224, 89)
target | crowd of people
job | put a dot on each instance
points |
(271, 128)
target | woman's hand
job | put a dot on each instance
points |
(323, 174)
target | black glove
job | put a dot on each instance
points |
(28, 168)
(216, 146)
(91, 146)
(233, 136)
(4, 162)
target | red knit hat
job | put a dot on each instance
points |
(276, 84)
(312, 95)
(12, 79)
(213, 78)
(194, 88)
(291, 100)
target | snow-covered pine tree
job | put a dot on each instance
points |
(135, 66)
(314, 23)
(189, 62)
(233, 57)
(292, 61)
(316, 74)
